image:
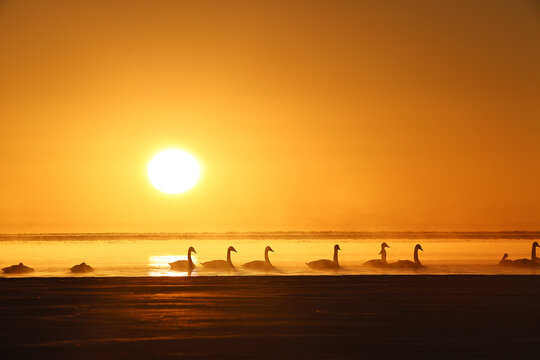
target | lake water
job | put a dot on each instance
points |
(149, 254)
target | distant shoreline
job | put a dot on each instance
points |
(280, 235)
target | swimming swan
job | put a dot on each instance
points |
(504, 261)
(82, 268)
(408, 264)
(18, 269)
(260, 265)
(379, 262)
(326, 264)
(184, 265)
(532, 262)
(221, 264)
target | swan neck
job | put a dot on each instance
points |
(383, 254)
(533, 253)
(336, 256)
(189, 257)
(229, 258)
(416, 259)
(266, 258)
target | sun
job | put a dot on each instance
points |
(173, 171)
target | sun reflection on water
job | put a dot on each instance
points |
(159, 265)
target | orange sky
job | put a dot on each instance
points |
(305, 115)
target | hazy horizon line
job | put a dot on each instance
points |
(329, 234)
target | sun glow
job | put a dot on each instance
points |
(173, 171)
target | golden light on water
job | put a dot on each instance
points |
(173, 171)
(159, 265)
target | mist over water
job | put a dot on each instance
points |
(149, 254)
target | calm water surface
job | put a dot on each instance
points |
(52, 256)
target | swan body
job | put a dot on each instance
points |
(505, 262)
(326, 264)
(82, 268)
(376, 263)
(379, 262)
(525, 262)
(259, 265)
(408, 264)
(533, 262)
(221, 264)
(18, 269)
(184, 265)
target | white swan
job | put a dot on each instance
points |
(379, 262)
(18, 269)
(408, 264)
(82, 268)
(534, 261)
(259, 265)
(184, 265)
(326, 264)
(221, 264)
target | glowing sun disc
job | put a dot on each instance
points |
(173, 171)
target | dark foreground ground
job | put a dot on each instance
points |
(297, 317)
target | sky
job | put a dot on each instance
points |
(304, 115)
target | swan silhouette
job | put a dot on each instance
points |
(505, 262)
(532, 262)
(379, 262)
(184, 265)
(325, 264)
(259, 265)
(408, 264)
(82, 268)
(18, 269)
(221, 264)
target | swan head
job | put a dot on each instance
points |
(191, 249)
(231, 249)
(419, 247)
(268, 248)
(336, 247)
(535, 244)
(505, 256)
(384, 245)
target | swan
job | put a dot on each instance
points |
(326, 264)
(408, 264)
(221, 264)
(82, 268)
(260, 265)
(505, 262)
(18, 269)
(184, 265)
(379, 262)
(534, 261)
